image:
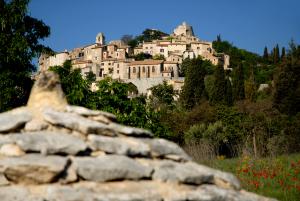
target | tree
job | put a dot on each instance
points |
(250, 87)
(282, 53)
(75, 87)
(90, 77)
(194, 88)
(287, 83)
(142, 56)
(159, 57)
(218, 93)
(276, 55)
(266, 54)
(163, 94)
(238, 83)
(20, 37)
(126, 38)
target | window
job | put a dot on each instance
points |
(117, 54)
(117, 71)
(161, 50)
(133, 70)
(109, 64)
(117, 65)
(146, 48)
(153, 69)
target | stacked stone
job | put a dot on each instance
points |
(51, 151)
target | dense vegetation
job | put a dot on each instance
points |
(20, 35)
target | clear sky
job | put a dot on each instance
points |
(248, 24)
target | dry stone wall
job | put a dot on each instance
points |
(58, 152)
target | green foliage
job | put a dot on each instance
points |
(150, 34)
(162, 95)
(20, 37)
(75, 87)
(90, 77)
(238, 83)
(218, 94)
(194, 89)
(159, 57)
(287, 83)
(142, 56)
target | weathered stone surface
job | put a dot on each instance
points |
(117, 145)
(46, 92)
(130, 131)
(180, 172)
(10, 121)
(36, 125)
(32, 168)
(77, 122)
(3, 180)
(163, 148)
(87, 112)
(48, 142)
(109, 168)
(11, 150)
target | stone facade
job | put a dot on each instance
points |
(112, 59)
(52, 151)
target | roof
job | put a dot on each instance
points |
(146, 62)
(170, 62)
(82, 62)
(177, 44)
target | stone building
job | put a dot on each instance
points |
(113, 60)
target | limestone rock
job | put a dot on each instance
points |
(36, 125)
(48, 142)
(116, 145)
(11, 150)
(163, 148)
(90, 113)
(46, 92)
(110, 167)
(77, 122)
(32, 168)
(130, 131)
(10, 121)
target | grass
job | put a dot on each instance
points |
(272, 177)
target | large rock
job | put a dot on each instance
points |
(76, 122)
(12, 120)
(122, 146)
(32, 168)
(165, 149)
(47, 142)
(110, 167)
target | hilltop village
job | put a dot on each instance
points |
(115, 59)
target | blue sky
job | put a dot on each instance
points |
(248, 24)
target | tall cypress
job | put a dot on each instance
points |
(218, 94)
(282, 53)
(276, 56)
(266, 54)
(238, 83)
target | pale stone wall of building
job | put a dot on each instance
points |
(58, 59)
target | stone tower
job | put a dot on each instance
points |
(184, 30)
(100, 39)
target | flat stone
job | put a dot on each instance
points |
(36, 125)
(170, 171)
(3, 180)
(166, 149)
(17, 193)
(119, 145)
(77, 122)
(11, 150)
(87, 112)
(130, 131)
(109, 168)
(48, 142)
(14, 119)
(32, 168)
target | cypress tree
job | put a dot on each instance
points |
(238, 83)
(276, 55)
(194, 88)
(266, 54)
(218, 94)
(228, 92)
(282, 53)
